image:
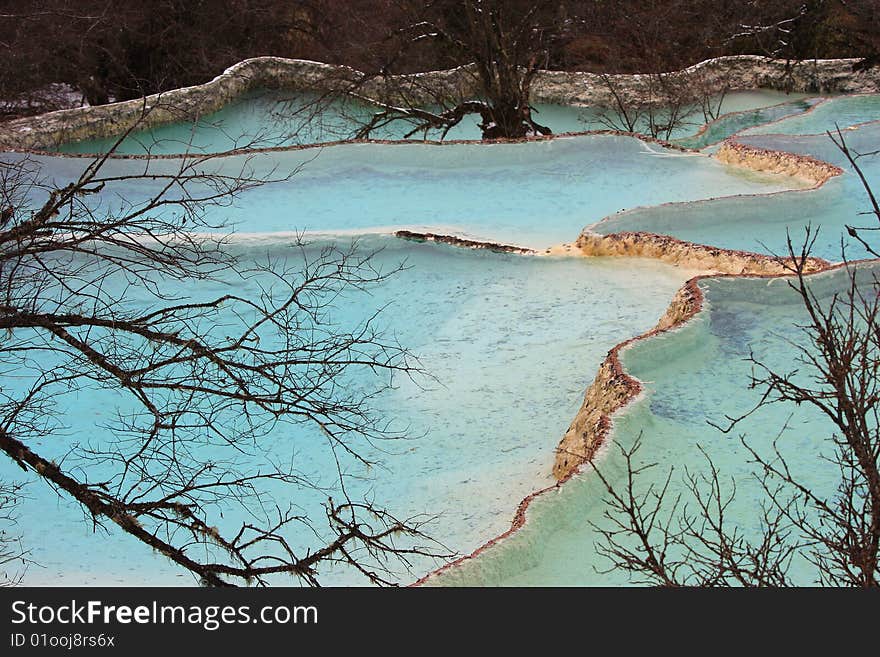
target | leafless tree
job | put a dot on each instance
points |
(780, 31)
(500, 45)
(13, 556)
(688, 538)
(100, 283)
(109, 50)
(852, 156)
(664, 106)
(801, 30)
(667, 98)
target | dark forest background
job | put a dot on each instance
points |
(58, 52)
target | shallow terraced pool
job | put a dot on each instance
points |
(510, 342)
(759, 223)
(695, 375)
(533, 194)
(272, 118)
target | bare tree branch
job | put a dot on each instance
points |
(98, 292)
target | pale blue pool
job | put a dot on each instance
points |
(760, 223)
(534, 194)
(512, 341)
(273, 118)
(842, 112)
(692, 376)
(734, 122)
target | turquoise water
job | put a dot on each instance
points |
(842, 112)
(760, 223)
(692, 376)
(511, 343)
(534, 194)
(734, 122)
(735, 110)
(273, 118)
